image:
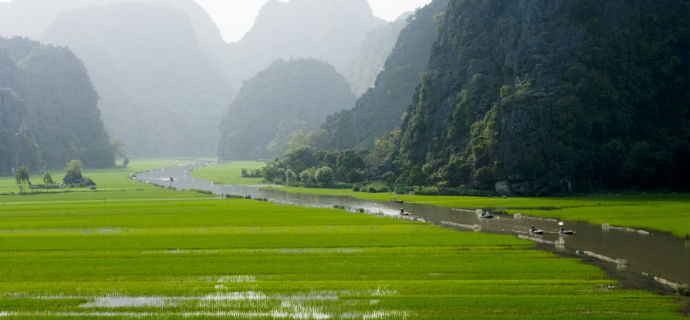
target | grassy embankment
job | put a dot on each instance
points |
(156, 258)
(664, 212)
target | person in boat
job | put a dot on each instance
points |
(172, 179)
(564, 231)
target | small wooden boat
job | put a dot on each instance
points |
(534, 230)
(565, 231)
(486, 215)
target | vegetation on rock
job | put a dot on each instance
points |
(47, 109)
(380, 108)
(549, 96)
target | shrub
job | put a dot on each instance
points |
(324, 176)
(307, 178)
(290, 177)
(401, 189)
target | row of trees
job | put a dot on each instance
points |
(73, 178)
(306, 167)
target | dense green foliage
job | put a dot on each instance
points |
(380, 109)
(239, 258)
(160, 93)
(547, 96)
(47, 109)
(285, 97)
(308, 167)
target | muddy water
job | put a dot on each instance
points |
(643, 259)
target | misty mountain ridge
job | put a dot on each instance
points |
(327, 30)
(159, 93)
(155, 80)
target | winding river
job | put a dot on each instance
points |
(639, 259)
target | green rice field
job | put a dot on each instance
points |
(229, 173)
(113, 184)
(164, 254)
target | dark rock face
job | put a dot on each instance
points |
(381, 107)
(551, 95)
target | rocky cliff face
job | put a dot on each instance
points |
(543, 96)
(381, 107)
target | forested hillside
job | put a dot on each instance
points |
(160, 93)
(380, 109)
(47, 109)
(534, 97)
(288, 96)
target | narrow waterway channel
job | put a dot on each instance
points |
(639, 259)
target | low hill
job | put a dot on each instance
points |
(287, 96)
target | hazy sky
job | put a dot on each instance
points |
(235, 17)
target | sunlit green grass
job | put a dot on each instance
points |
(62, 253)
(664, 212)
(59, 257)
(113, 185)
(229, 173)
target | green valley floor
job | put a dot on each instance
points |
(134, 250)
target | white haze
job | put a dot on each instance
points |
(235, 17)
